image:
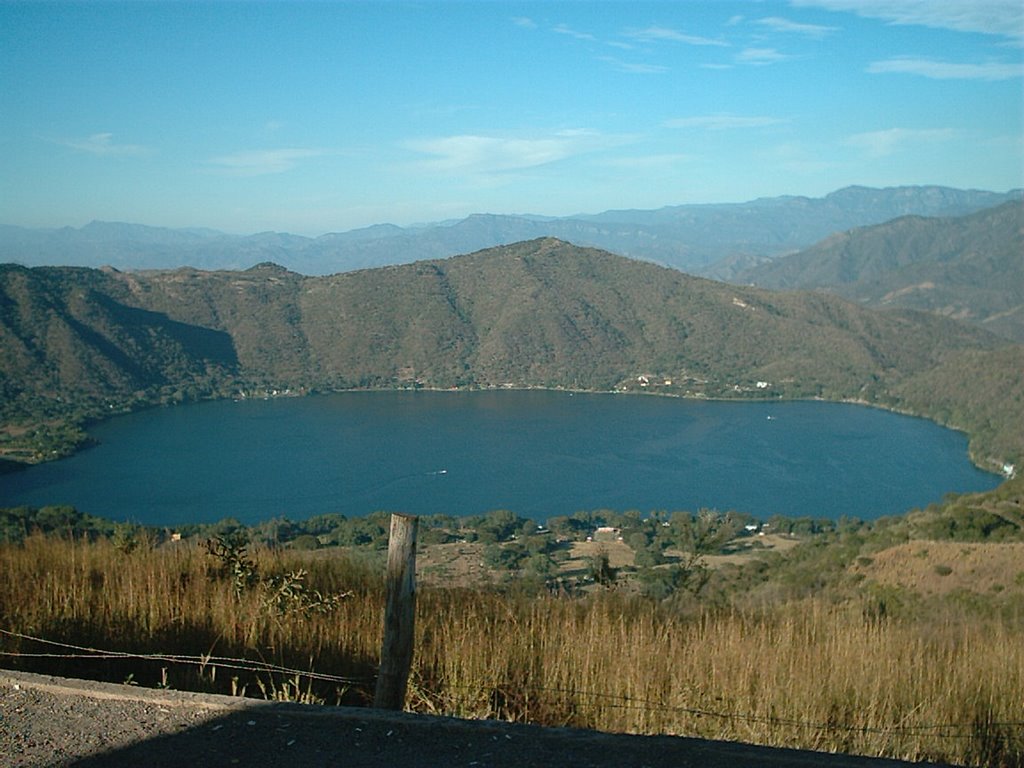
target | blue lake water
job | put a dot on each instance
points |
(536, 453)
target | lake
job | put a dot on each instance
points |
(536, 453)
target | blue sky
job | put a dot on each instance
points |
(319, 117)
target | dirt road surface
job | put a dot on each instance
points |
(49, 721)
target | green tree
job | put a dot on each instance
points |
(508, 557)
(62, 518)
(600, 569)
(570, 528)
(638, 540)
(648, 557)
(697, 536)
(541, 565)
(499, 525)
(15, 524)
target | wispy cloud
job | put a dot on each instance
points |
(565, 29)
(524, 21)
(778, 24)
(261, 162)
(946, 70)
(490, 155)
(877, 144)
(724, 122)
(1004, 18)
(633, 68)
(103, 144)
(654, 33)
(761, 56)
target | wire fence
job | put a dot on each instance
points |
(223, 662)
(966, 730)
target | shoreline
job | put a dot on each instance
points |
(1000, 467)
(896, 494)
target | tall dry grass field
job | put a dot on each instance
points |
(177, 599)
(808, 674)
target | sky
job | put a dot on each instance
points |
(315, 117)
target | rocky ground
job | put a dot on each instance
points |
(47, 721)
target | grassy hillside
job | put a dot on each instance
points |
(540, 313)
(73, 346)
(545, 313)
(968, 267)
(850, 638)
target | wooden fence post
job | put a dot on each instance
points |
(399, 614)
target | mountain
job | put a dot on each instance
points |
(970, 267)
(713, 240)
(78, 343)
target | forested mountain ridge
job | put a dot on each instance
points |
(970, 267)
(714, 240)
(81, 343)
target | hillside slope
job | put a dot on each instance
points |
(540, 313)
(969, 267)
(72, 334)
(546, 313)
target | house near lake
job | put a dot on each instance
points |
(606, 533)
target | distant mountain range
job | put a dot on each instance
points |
(80, 343)
(969, 267)
(717, 240)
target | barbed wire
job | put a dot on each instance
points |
(648, 705)
(613, 701)
(225, 662)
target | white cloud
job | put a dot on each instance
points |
(261, 162)
(633, 68)
(877, 144)
(946, 70)
(103, 144)
(488, 155)
(565, 29)
(1004, 18)
(816, 31)
(760, 56)
(524, 22)
(664, 33)
(724, 122)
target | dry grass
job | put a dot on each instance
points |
(809, 675)
(175, 600)
(944, 567)
(620, 555)
(459, 563)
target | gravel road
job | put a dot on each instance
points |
(49, 721)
